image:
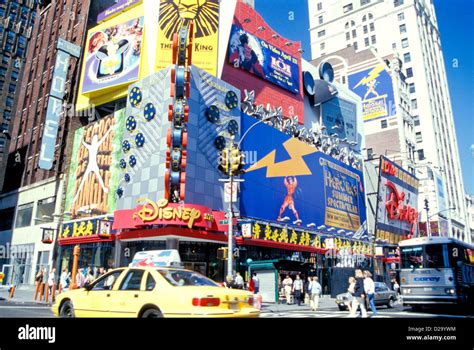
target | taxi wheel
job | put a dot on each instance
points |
(66, 310)
(152, 313)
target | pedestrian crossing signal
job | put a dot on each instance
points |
(222, 253)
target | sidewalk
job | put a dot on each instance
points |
(23, 294)
(325, 303)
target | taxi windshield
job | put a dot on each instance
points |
(180, 278)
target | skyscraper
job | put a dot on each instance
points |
(407, 29)
(17, 18)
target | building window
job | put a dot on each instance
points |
(348, 36)
(347, 8)
(366, 42)
(45, 210)
(411, 86)
(373, 39)
(406, 57)
(403, 28)
(364, 19)
(320, 19)
(401, 16)
(7, 218)
(354, 33)
(419, 138)
(371, 16)
(404, 43)
(364, 2)
(397, 3)
(384, 124)
(366, 29)
(409, 72)
(356, 47)
(321, 33)
(321, 46)
(372, 27)
(24, 215)
(414, 104)
(421, 154)
(320, 6)
(394, 46)
(417, 120)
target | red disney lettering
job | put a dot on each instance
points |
(396, 210)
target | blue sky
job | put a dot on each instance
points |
(290, 19)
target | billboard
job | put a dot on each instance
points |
(94, 172)
(113, 56)
(263, 60)
(293, 182)
(397, 215)
(340, 117)
(374, 86)
(206, 34)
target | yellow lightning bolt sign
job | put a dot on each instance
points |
(294, 166)
(374, 73)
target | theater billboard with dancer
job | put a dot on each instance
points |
(94, 171)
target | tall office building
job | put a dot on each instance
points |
(407, 29)
(32, 194)
(16, 21)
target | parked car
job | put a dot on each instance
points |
(383, 296)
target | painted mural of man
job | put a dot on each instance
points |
(290, 183)
(92, 165)
(371, 89)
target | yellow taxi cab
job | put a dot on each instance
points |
(152, 292)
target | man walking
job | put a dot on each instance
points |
(315, 292)
(369, 287)
(298, 289)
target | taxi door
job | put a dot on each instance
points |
(130, 295)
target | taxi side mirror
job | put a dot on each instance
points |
(88, 286)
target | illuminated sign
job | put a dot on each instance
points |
(85, 228)
(263, 60)
(375, 88)
(55, 102)
(397, 216)
(162, 212)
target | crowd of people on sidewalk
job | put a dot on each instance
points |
(84, 276)
(297, 291)
(236, 281)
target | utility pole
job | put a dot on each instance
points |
(427, 208)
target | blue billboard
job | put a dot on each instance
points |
(291, 181)
(374, 86)
(263, 60)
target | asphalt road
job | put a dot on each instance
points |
(34, 310)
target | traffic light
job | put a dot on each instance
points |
(224, 161)
(427, 207)
(237, 161)
(222, 253)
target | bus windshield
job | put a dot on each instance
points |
(424, 256)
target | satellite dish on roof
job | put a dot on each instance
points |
(326, 72)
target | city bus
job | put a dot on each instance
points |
(436, 270)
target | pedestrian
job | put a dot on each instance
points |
(101, 272)
(359, 295)
(369, 288)
(315, 292)
(307, 293)
(256, 283)
(298, 289)
(51, 279)
(64, 279)
(396, 287)
(80, 279)
(251, 285)
(89, 277)
(350, 293)
(239, 281)
(39, 276)
(287, 286)
(229, 282)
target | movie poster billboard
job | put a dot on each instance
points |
(113, 56)
(94, 172)
(263, 60)
(374, 86)
(290, 181)
(397, 207)
(205, 14)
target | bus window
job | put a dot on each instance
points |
(412, 257)
(434, 257)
